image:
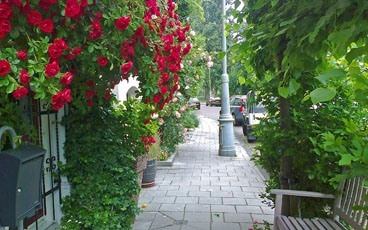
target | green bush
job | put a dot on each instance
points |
(100, 150)
(190, 119)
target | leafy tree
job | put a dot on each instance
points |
(306, 59)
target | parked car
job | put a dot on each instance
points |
(237, 104)
(252, 115)
(214, 101)
(194, 103)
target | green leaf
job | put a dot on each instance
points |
(283, 91)
(241, 80)
(334, 73)
(354, 53)
(91, 49)
(321, 94)
(10, 88)
(293, 86)
(4, 82)
(346, 159)
(221, 55)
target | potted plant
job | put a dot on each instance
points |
(149, 174)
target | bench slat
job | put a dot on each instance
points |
(310, 224)
(295, 223)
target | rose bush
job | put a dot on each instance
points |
(79, 50)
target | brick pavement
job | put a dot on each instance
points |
(204, 191)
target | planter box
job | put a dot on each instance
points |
(169, 162)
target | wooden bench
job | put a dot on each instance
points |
(351, 193)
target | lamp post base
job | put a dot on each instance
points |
(226, 136)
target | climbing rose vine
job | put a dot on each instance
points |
(64, 50)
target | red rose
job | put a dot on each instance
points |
(5, 26)
(20, 92)
(72, 8)
(157, 98)
(52, 69)
(102, 61)
(61, 98)
(4, 67)
(187, 49)
(174, 68)
(22, 55)
(127, 50)
(90, 94)
(90, 103)
(98, 15)
(54, 51)
(24, 78)
(95, 29)
(90, 83)
(66, 79)
(5, 11)
(34, 17)
(165, 77)
(122, 23)
(163, 89)
(126, 67)
(108, 95)
(46, 25)
(60, 43)
(84, 3)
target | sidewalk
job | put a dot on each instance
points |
(203, 191)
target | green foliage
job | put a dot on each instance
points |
(10, 115)
(190, 120)
(307, 60)
(100, 150)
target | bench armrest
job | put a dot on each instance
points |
(286, 192)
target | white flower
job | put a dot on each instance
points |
(154, 116)
(192, 32)
(177, 114)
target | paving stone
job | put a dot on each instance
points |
(231, 188)
(221, 194)
(233, 201)
(248, 209)
(198, 208)
(261, 218)
(237, 217)
(199, 193)
(197, 217)
(223, 226)
(172, 207)
(196, 226)
(217, 217)
(210, 200)
(186, 200)
(223, 208)
(202, 190)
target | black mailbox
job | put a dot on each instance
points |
(20, 183)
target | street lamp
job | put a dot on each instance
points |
(226, 129)
(209, 65)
